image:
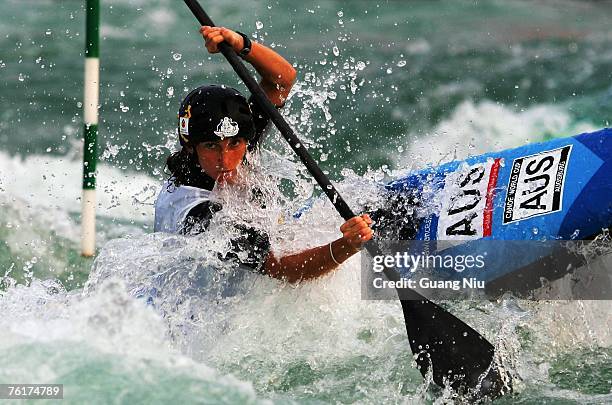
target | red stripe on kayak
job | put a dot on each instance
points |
(488, 211)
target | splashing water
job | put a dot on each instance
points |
(159, 317)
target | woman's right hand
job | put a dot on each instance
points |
(277, 74)
(356, 231)
(213, 36)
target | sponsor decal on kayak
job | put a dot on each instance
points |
(467, 206)
(536, 185)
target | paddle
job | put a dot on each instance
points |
(457, 354)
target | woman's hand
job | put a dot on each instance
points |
(315, 262)
(356, 231)
(213, 36)
(277, 75)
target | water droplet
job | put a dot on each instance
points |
(170, 91)
(389, 71)
(340, 14)
(360, 65)
(21, 77)
(259, 25)
(177, 56)
(401, 63)
(48, 32)
(336, 50)
(123, 107)
(465, 334)
(535, 230)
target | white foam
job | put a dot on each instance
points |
(55, 182)
(418, 46)
(112, 32)
(477, 128)
(322, 321)
(109, 325)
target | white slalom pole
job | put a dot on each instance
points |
(90, 128)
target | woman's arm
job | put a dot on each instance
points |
(315, 262)
(277, 75)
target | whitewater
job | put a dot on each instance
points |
(380, 93)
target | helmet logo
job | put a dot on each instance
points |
(227, 128)
(184, 124)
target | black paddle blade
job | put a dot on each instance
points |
(458, 355)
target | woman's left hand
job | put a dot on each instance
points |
(213, 36)
(356, 231)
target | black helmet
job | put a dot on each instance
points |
(211, 113)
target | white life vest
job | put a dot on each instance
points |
(171, 208)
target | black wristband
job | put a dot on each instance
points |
(247, 45)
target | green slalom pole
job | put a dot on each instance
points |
(90, 127)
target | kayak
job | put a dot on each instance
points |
(559, 189)
(550, 191)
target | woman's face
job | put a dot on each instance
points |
(220, 159)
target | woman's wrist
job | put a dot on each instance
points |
(331, 253)
(341, 250)
(244, 45)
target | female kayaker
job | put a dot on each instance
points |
(217, 126)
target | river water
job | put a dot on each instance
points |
(383, 87)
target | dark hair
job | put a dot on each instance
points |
(185, 170)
